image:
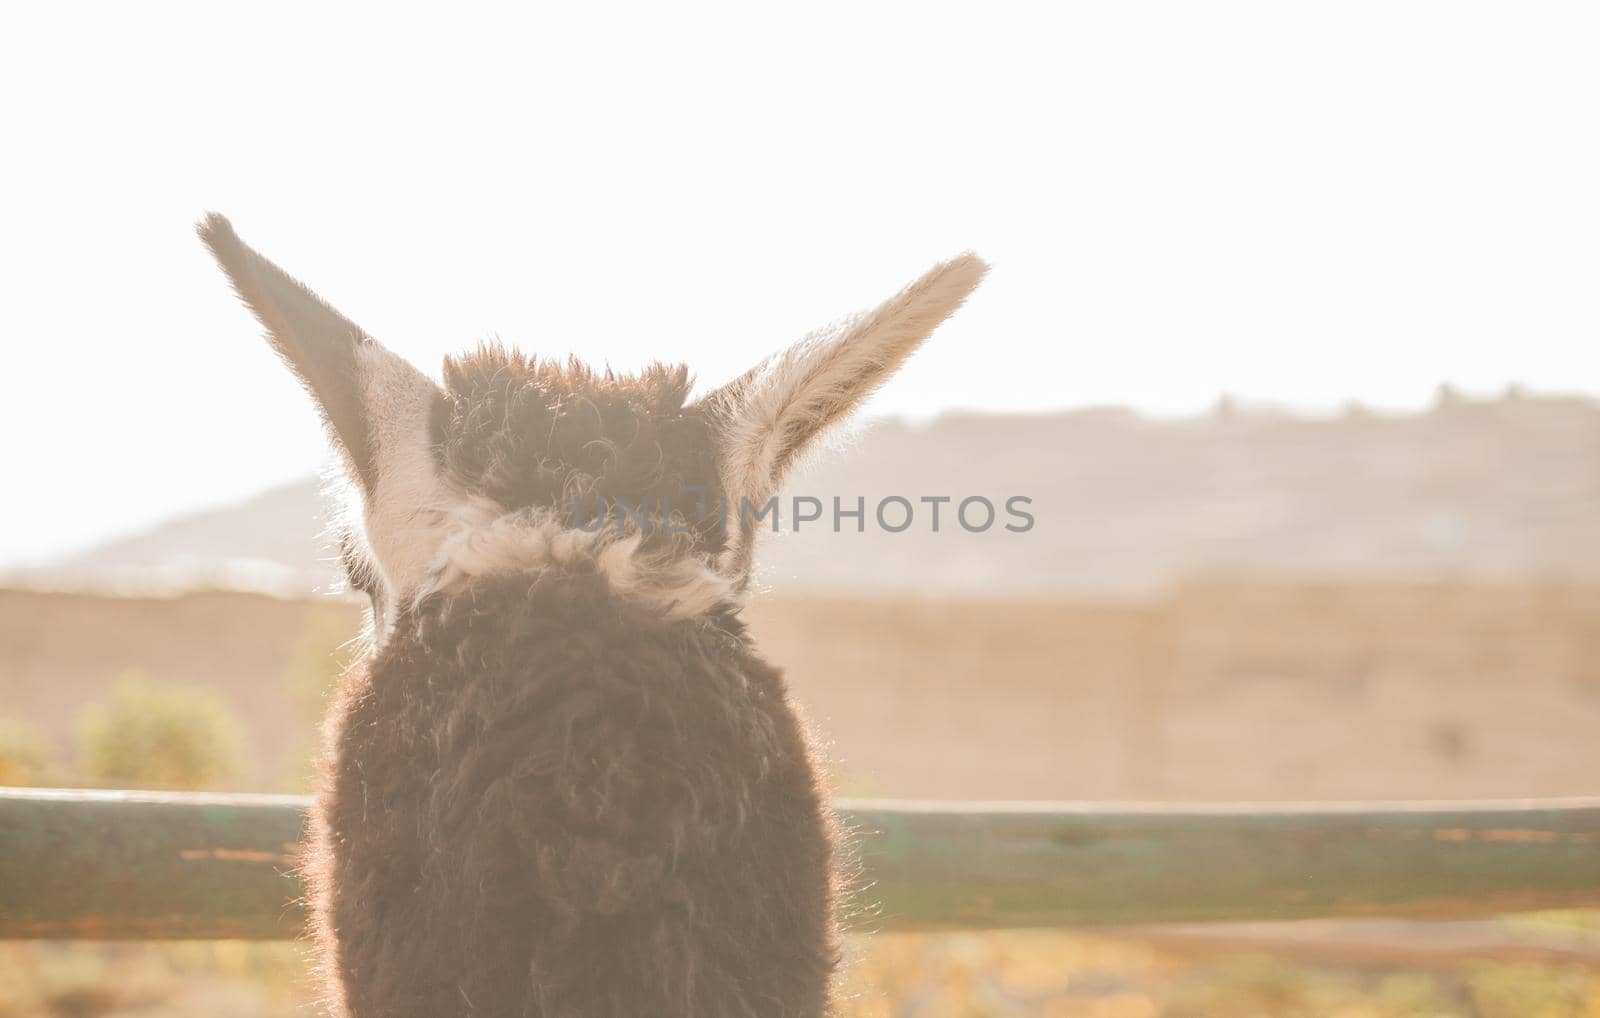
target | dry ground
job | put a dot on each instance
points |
(1245, 691)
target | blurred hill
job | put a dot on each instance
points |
(1497, 490)
(274, 542)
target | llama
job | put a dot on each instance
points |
(562, 781)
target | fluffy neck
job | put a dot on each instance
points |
(661, 574)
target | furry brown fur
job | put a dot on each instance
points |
(541, 802)
(564, 784)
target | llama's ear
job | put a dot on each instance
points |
(319, 344)
(771, 414)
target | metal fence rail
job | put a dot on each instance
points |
(148, 865)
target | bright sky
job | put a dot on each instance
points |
(1301, 203)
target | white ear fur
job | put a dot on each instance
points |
(771, 414)
(377, 406)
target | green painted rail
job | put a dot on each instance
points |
(145, 865)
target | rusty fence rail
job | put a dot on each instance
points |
(151, 865)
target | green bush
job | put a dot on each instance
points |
(320, 656)
(158, 735)
(24, 755)
(324, 650)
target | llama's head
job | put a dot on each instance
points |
(513, 461)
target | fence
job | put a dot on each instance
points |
(147, 865)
